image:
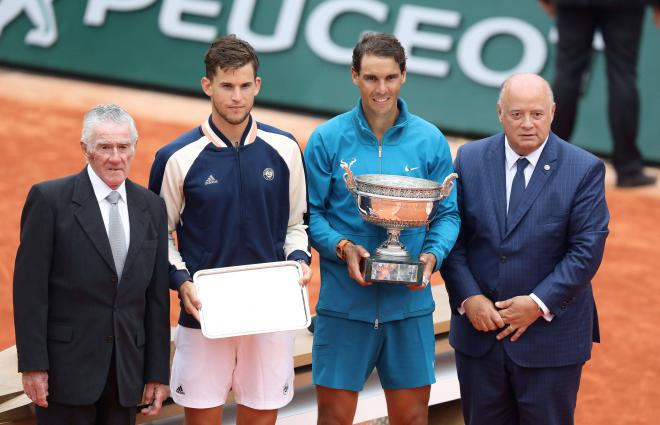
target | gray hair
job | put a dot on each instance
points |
(506, 82)
(105, 113)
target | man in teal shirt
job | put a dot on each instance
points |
(361, 325)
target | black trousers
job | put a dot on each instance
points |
(106, 410)
(621, 28)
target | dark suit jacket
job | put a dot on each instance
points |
(70, 311)
(553, 248)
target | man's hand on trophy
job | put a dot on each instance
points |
(428, 260)
(353, 255)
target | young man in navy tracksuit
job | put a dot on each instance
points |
(235, 194)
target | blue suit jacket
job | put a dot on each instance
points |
(553, 247)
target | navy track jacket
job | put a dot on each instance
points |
(231, 206)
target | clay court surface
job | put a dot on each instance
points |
(40, 122)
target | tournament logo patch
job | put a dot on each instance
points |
(269, 174)
(285, 389)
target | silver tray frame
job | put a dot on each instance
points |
(210, 332)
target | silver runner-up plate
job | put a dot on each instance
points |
(252, 299)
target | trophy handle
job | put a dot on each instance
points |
(358, 202)
(448, 184)
(348, 177)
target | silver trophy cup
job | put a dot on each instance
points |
(395, 203)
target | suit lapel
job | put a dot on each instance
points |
(137, 216)
(495, 163)
(542, 172)
(89, 217)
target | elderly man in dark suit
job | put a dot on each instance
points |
(91, 302)
(533, 228)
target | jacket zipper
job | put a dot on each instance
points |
(240, 189)
(380, 166)
(380, 155)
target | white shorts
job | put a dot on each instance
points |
(258, 368)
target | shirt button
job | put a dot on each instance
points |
(503, 258)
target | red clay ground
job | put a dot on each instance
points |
(40, 121)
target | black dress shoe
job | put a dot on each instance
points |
(636, 180)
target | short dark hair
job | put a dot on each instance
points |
(229, 52)
(379, 44)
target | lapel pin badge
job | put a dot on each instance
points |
(546, 167)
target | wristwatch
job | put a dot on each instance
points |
(339, 250)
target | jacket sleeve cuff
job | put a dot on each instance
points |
(438, 258)
(178, 278)
(546, 311)
(299, 255)
(458, 301)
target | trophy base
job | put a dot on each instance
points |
(381, 269)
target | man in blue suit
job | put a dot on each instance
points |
(533, 228)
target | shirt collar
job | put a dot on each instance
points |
(512, 156)
(213, 133)
(402, 119)
(102, 190)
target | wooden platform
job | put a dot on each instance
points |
(17, 409)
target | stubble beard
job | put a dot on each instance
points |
(232, 120)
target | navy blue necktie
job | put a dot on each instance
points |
(517, 187)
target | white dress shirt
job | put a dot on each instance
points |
(511, 157)
(101, 191)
